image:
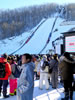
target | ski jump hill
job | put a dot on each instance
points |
(38, 40)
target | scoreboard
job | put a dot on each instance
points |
(70, 44)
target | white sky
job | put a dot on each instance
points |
(11, 4)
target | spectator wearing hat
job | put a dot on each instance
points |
(12, 80)
(4, 80)
(43, 73)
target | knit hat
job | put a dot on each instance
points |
(5, 56)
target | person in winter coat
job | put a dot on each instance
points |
(12, 80)
(43, 73)
(66, 69)
(49, 58)
(54, 74)
(26, 81)
(4, 81)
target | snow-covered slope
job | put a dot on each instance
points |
(33, 41)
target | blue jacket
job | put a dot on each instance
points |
(26, 82)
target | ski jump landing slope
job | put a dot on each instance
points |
(36, 39)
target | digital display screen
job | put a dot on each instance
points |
(70, 44)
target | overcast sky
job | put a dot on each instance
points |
(11, 4)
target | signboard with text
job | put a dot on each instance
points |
(70, 44)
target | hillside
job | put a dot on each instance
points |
(33, 41)
(17, 21)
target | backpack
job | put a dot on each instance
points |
(50, 70)
(2, 70)
(45, 63)
(17, 72)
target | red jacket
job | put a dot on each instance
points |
(7, 68)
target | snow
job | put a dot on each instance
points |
(37, 42)
(51, 94)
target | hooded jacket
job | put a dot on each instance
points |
(7, 68)
(66, 68)
(26, 82)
